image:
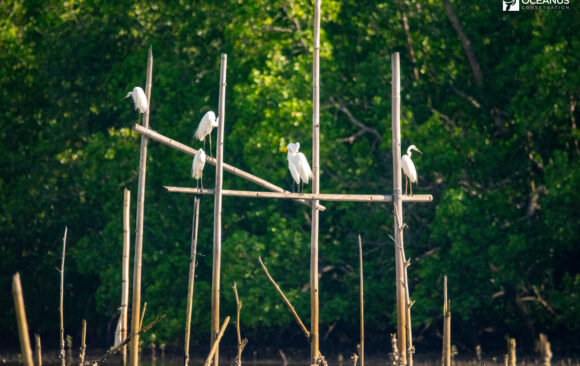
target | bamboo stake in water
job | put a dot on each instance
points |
(512, 351)
(38, 350)
(136, 311)
(217, 214)
(314, 334)
(193, 255)
(83, 348)
(362, 306)
(21, 319)
(214, 347)
(125, 274)
(446, 361)
(62, 355)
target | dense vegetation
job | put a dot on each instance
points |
(491, 101)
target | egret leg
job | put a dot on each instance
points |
(405, 185)
(201, 182)
(301, 187)
(210, 145)
(411, 184)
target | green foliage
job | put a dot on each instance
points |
(501, 160)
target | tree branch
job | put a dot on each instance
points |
(363, 128)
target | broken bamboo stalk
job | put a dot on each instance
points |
(314, 316)
(398, 207)
(214, 347)
(155, 136)
(217, 213)
(378, 198)
(192, 258)
(38, 350)
(545, 350)
(137, 265)
(21, 320)
(125, 270)
(83, 349)
(62, 354)
(286, 301)
(362, 306)
(241, 342)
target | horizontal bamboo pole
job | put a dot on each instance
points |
(153, 135)
(306, 196)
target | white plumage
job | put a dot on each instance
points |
(298, 165)
(409, 167)
(207, 123)
(198, 164)
(139, 99)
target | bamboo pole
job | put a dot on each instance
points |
(192, 258)
(362, 306)
(39, 350)
(83, 349)
(512, 351)
(62, 355)
(125, 273)
(217, 213)
(136, 306)
(378, 198)
(214, 347)
(314, 335)
(398, 205)
(446, 354)
(212, 161)
(545, 350)
(286, 301)
(21, 320)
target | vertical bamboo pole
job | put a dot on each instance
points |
(62, 354)
(446, 354)
(193, 255)
(314, 335)
(217, 214)
(398, 205)
(125, 274)
(83, 348)
(39, 350)
(362, 306)
(21, 319)
(512, 351)
(136, 306)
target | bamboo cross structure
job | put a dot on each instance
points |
(404, 345)
(136, 305)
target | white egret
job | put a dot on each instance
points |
(298, 165)
(206, 125)
(139, 99)
(197, 167)
(409, 167)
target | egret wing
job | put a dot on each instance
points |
(293, 169)
(409, 168)
(303, 168)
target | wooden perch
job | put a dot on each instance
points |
(379, 198)
(155, 136)
(286, 301)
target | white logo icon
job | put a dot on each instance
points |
(511, 5)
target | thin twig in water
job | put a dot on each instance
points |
(62, 355)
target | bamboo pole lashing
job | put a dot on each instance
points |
(23, 335)
(217, 216)
(137, 265)
(193, 255)
(155, 136)
(286, 301)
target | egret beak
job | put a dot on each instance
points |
(285, 149)
(419, 151)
